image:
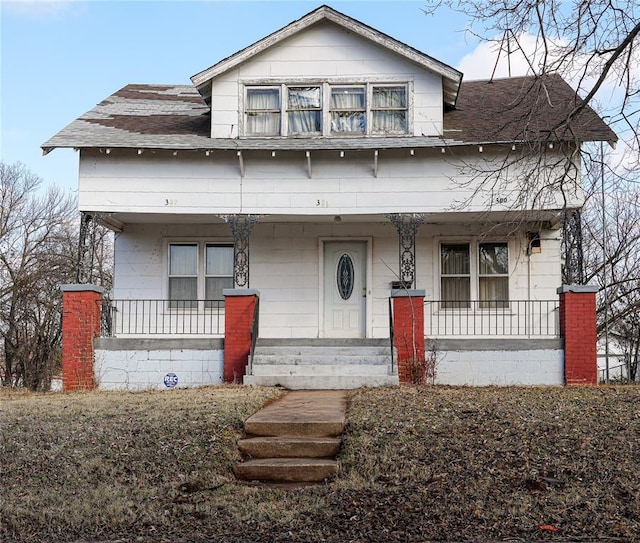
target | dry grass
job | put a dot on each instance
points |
(417, 464)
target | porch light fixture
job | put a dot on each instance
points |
(139, 151)
(207, 153)
(175, 153)
(108, 151)
(443, 150)
(273, 154)
(480, 149)
(341, 154)
(412, 152)
(551, 146)
(513, 146)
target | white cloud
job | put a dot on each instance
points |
(39, 8)
(520, 57)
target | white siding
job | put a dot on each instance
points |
(191, 183)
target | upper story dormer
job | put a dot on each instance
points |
(327, 75)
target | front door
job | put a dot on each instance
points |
(345, 289)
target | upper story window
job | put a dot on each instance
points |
(389, 109)
(263, 111)
(304, 108)
(326, 109)
(348, 111)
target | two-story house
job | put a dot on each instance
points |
(319, 170)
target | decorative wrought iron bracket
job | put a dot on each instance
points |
(241, 226)
(86, 248)
(573, 269)
(407, 225)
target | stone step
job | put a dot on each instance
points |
(285, 369)
(287, 470)
(337, 352)
(326, 382)
(321, 359)
(323, 342)
(289, 447)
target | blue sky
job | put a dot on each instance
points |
(61, 57)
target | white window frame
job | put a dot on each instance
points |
(325, 97)
(201, 276)
(474, 272)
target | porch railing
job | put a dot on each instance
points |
(162, 317)
(522, 318)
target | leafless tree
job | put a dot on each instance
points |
(38, 253)
(592, 43)
(611, 240)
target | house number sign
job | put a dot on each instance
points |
(345, 276)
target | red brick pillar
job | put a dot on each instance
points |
(239, 307)
(408, 334)
(81, 309)
(578, 329)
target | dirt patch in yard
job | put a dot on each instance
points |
(418, 464)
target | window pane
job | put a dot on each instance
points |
(494, 292)
(494, 258)
(304, 97)
(455, 292)
(389, 97)
(215, 285)
(261, 99)
(183, 259)
(345, 121)
(267, 124)
(390, 121)
(219, 260)
(183, 288)
(305, 121)
(347, 98)
(454, 259)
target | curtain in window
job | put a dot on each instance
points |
(263, 112)
(389, 109)
(305, 114)
(183, 273)
(347, 109)
(455, 279)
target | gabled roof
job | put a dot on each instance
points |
(523, 109)
(519, 109)
(450, 76)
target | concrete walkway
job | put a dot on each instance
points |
(294, 439)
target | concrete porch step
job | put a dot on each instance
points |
(289, 447)
(287, 470)
(328, 382)
(293, 439)
(320, 357)
(286, 368)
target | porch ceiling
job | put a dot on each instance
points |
(117, 220)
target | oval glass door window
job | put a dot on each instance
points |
(345, 276)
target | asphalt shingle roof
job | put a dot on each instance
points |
(176, 117)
